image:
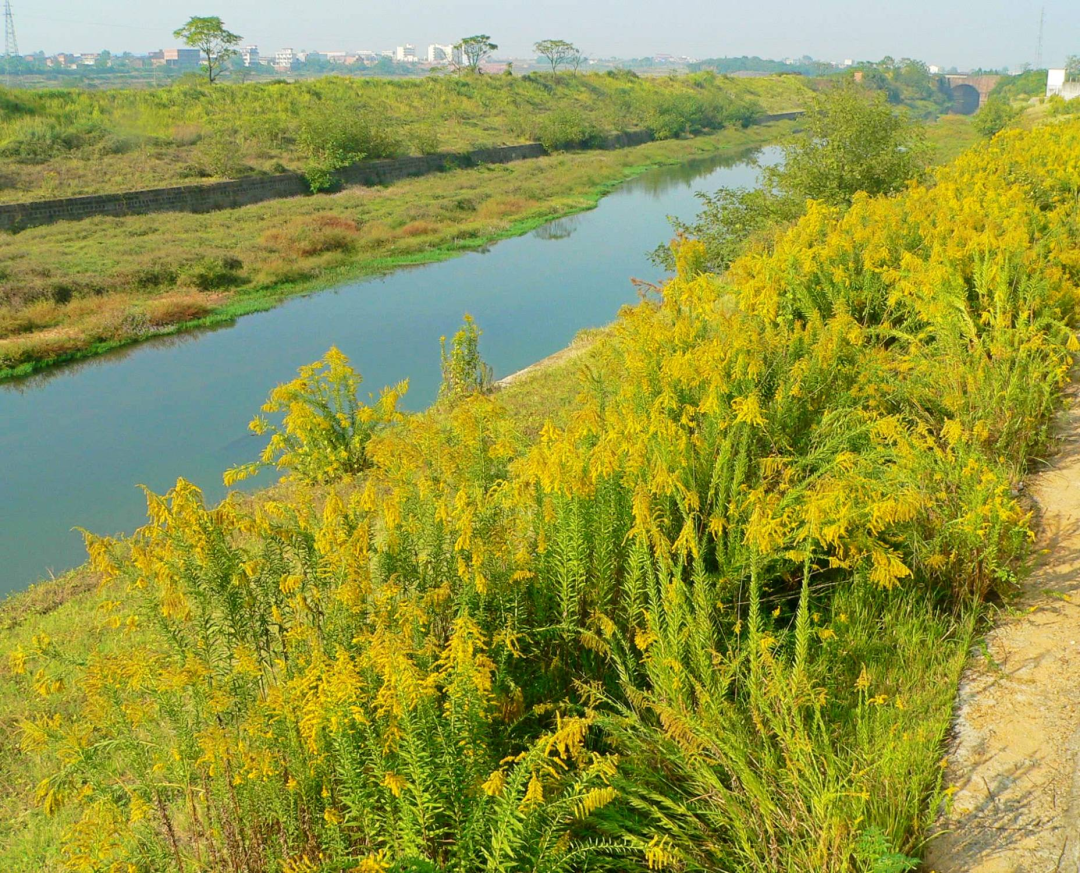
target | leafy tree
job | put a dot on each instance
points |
(1072, 67)
(208, 34)
(995, 115)
(556, 52)
(852, 141)
(475, 50)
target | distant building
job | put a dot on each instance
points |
(1056, 85)
(249, 54)
(285, 59)
(88, 60)
(339, 57)
(934, 70)
(366, 57)
(441, 54)
(405, 53)
(182, 58)
(848, 62)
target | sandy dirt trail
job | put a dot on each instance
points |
(1014, 757)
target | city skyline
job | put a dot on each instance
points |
(1000, 29)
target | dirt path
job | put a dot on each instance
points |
(1016, 749)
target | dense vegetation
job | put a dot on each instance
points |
(711, 622)
(853, 141)
(63, 142)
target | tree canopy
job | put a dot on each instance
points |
(475, 50)
(208, 34)
(557, 52)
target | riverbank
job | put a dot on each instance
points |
(110, 282)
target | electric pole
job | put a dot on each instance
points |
(1038, 53)
(11, 44)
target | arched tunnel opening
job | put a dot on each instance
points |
(965, 99)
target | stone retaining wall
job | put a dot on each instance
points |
(255, 189)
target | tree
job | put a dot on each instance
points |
(852, 141)
(557, 52)
(996, 114)
(577, 60)
(208, 34)
(475, 50)
(1072, 67)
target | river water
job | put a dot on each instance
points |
(76, 441)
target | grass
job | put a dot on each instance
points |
(76, 289)
(65, 142)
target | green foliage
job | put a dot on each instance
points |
(331, 140)
(208, 34)
(557, 52)
(464, 372)
(851, 142)
(475, 50)
(1028, 84)
(212, 273)
(994, 116)
(566, 129)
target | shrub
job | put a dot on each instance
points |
(325, 427)
(212, 273)
(332, 139)
(464, 372)
(565, 129)
(314, 236)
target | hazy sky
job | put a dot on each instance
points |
(965, 33)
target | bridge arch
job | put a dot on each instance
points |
(966, 99)
(970, 92)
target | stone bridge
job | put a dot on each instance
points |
(970, 92)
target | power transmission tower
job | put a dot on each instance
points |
(1038, 53)
(11, 44)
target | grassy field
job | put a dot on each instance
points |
(79, 288)
(59, 142)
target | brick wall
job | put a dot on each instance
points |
(255, 189)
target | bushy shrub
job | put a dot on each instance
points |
(212, 273)
(313, 236)
(994, 116)
(334, 138)
(566, 128)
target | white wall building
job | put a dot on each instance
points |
(249, 54)
(285, 58)
(440, 54)
(1056, 84)
(405, 53)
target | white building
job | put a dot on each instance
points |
(249, 54)
(440, 54)
(285, 58)
(405, 53)
(1057, 85)
(366, 56)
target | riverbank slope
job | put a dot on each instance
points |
(78, 289)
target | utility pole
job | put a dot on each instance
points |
(11, 44)
(1038, 53)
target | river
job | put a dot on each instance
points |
(76, 441)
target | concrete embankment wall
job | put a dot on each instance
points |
(255, 189)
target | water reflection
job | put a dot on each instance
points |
(560, 228)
